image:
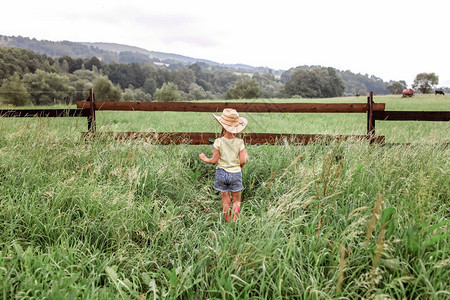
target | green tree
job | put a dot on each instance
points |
(65, 66)
(93, 62)
(86, 74)
(48, 88)
(223, 80)
(22, 61)
(131, 95)
(332, 85)
(302, 83)
(315, 83)
(104, 90)
(126, 74)
(167, 93)
(425, 82)
(245, 88)
(162, 76)
(363, 91)
(149, 86)
(270, 86)
(82, 81)
(196, 92)
(396, 88)
(14, 92)
(183, 78)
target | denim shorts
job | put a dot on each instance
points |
(228, 182)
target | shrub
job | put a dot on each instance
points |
(167, 93)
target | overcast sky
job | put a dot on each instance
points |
(391, 39)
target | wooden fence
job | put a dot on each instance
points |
(374, 111)
(201, 138)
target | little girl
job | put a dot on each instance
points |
(230, 156)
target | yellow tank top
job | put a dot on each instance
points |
(229, 153)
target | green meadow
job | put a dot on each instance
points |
(134, 220)
(307, 123)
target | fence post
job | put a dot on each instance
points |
(91, 118)
(370, 119)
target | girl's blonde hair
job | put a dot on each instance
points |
(222, 133)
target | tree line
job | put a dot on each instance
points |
(30, 78)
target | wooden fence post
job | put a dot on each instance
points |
(91, 118)
(370, 119)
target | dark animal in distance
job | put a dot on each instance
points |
(407, 93)
(439, 92)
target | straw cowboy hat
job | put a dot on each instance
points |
(231, 121)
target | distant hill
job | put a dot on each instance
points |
(55, 49)
(152, 55)
(168, 58)
(111, 52)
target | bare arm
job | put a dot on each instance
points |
(213, 160)
(243, 157)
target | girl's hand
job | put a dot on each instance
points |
(212, 160)
(202, 156)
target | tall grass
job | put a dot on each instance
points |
(135, 220)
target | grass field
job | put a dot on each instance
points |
(296, 123)
(120, 220)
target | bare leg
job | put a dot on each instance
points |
(236, 204)
(226, 201)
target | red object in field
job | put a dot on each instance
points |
(407, 93)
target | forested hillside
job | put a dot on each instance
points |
(112, 52)
(48, 80)
(62, 72)
(55, 49)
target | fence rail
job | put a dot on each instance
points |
(239, 106)
(411, 115)
(205, 138)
